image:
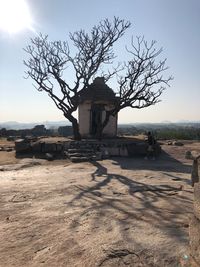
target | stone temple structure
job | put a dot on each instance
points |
(93, 102)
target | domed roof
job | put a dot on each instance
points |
(97, 90)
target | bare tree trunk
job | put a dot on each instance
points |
(75, 126)
(102, 125)
(77, 135)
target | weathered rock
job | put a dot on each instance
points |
(6, 148)
(194, 232)
(9, 149)
(97, 193)
(177, 143)
(169, 143)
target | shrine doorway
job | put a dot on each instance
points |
(95, 118)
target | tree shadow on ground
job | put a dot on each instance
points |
(130, 204)
(164, 162)
(40, 155)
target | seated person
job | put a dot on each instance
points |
(151, 146)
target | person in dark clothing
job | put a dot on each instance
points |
(151, 146)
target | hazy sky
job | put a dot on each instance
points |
(175, 24)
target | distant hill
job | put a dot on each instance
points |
(19, 125)
(55, 124)
(161, 125)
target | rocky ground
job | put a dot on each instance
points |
(114, 212)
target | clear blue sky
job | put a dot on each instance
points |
(175, 24)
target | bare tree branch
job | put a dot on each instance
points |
(143, 81)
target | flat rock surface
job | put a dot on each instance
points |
(115, 212)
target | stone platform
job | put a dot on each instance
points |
(86, 149)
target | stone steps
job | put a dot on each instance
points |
(80, 152)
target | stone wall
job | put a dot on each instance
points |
(84, 118)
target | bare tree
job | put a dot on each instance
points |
(49, 62)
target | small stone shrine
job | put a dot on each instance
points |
(93, 103)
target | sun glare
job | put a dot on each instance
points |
(14, 16)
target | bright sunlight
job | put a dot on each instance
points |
(14, 16)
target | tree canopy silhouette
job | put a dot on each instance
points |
(140, 80)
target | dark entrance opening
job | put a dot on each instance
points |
(95, 118)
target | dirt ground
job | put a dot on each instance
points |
(114, 212)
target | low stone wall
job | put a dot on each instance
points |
(44, 147)
(113, 147)
(37, 146)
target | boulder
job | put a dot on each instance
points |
(177, 143)
(9, 149)
(169, 143)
